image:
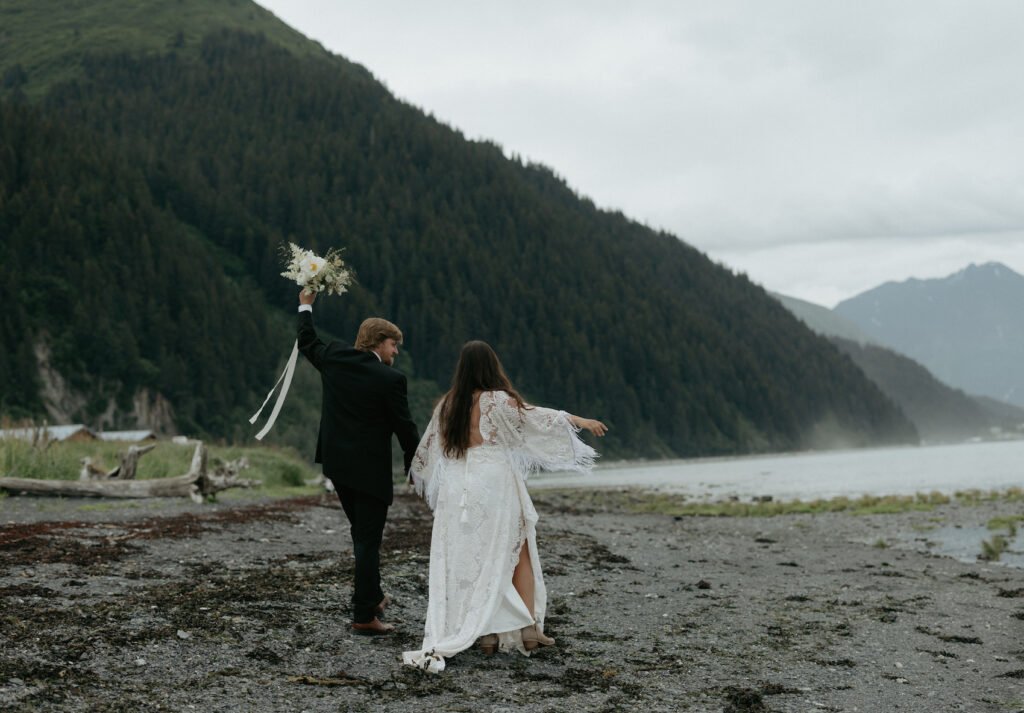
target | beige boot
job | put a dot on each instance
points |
(488, 644)
(533, 637)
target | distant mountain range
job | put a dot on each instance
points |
(823, 320)
(880, 330)
(967, 329)
(940, 412)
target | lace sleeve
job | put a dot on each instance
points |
(428, 462)
(538, 438)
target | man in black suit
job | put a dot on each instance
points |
(364, 402)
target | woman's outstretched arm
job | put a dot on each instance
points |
(589, 424)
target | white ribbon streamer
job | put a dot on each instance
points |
(289, 370)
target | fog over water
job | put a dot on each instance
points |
(808, 476)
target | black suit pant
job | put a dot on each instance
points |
(366, 515)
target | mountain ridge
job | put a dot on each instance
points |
(940, 412)
(967, 327)
(48, 44)
(823, 320)
(450, 239)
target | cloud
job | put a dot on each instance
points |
(828, 272)
(744, 127)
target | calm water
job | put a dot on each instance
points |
(806, 476)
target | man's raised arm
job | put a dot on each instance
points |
(311, 346)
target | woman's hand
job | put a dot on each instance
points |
(589, 424)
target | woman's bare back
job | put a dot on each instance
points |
(475, 438)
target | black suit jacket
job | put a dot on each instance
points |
(364, 402)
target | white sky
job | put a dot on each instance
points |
(820, 146)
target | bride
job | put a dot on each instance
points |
(471, 468)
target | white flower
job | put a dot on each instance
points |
(316, 273)
(311, 264)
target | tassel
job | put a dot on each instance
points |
(465, 516)
(462, 503)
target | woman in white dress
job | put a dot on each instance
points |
(471, 467)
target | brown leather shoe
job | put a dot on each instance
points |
(373, 628)
(379, 609)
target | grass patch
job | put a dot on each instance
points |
(273, 491)
(863, 505)
(1008, 523)
(678, 504)
(977, 497)
(992, 549)
(103, 507)
(281, 470)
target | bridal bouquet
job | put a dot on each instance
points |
(315, 273)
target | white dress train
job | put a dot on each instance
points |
(482, 516)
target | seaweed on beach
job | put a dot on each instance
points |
(950, 638)
(743, 700)
(579, 680)
(264, 627)
(91, 543)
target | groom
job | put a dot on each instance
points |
(364, 402)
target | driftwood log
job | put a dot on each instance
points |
(130, 461)
(197, 483)
(125, 471)
(321, 481)
(92, 469)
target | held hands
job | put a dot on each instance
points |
(589, 424)
(306, 298)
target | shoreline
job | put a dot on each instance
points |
(242, 605)
(816, 475)
(644, 463)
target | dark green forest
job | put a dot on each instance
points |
(939, 412)
(143, 205)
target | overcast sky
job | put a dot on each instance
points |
(820, 146)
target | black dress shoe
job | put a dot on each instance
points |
(372, 628)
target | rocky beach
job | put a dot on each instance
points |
(242, 605)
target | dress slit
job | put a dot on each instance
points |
(483, 518)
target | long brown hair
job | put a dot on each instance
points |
(478, 369)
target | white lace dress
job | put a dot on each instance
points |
(482, 516)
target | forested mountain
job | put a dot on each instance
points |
(967, 328)
(823, 320)
(143, 200)
(938, 411)
(42, 42)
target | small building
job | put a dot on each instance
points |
(71, 433)
(129, 436)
